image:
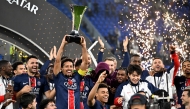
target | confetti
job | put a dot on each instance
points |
(154, 22)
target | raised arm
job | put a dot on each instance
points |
(46, 64)
(84, 64)
(175, 59)
(57, 64)
(91, 100)
(170, 67)
(100, 54)
(126, 57)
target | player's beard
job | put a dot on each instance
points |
(9, 74)
(187, 73)
(30, 70)
(161, 70)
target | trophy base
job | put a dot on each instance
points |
(74, 32)
(73, 37)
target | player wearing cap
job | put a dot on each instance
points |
(138, 101)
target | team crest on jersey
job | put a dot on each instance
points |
(35, 90)
(162, 80)
(39, 83)
(142, 89)
(182, 88)
(86, 88)
(73, 80)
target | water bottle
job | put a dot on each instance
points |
(10, 86)
(175, 98)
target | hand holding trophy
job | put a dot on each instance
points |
(77, 14)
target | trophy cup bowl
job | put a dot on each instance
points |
(77, 14)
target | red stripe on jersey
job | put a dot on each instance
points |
(81, 105)
(32, 81)
(71, 98)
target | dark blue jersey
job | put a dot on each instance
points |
(43, 69)
(88, 86)
(40, 85)
(144, 74)
(180, 84)
(67, 91)
(98, 105)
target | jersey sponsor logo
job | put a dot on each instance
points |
(35, 90)
(181, 82)
(71, 85)
(84, 95)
